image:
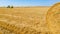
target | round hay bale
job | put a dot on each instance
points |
(53, 19)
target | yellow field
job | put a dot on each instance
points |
(30, 20)
(23, 20)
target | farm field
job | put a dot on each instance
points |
(30, 20)
(23, 20)
(29, 16)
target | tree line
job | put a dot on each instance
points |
(9, 6)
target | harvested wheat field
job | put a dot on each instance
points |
(29, 20)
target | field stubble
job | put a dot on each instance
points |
(24, 20)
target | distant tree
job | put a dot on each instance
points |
(11, 7)
(8, 6)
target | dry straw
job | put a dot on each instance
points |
(52, 19)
